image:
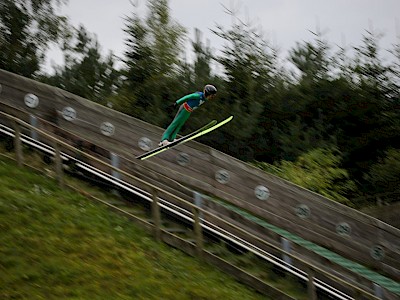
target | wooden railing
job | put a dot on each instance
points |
(346, 231)
(162, 235)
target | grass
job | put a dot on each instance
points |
(267, 272)
(56, 244)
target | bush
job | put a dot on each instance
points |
(317, 170)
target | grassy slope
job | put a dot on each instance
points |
(56, 244)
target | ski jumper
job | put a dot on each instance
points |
(187, 104)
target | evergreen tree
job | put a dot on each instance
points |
(371, 126)
(198, 74)
(26, 29)
(395, 72)
(304, 111)
(384, 177)
(152, 62)
(202, 62)
(312, 59)
(85, 72)
(250, 67)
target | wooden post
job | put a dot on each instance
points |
(155, 210)
(58, 164)
(198, 231)
(378, 291)
(18, 144)
(34, 123)
(286, 247)
(312, 295)
(357, 294)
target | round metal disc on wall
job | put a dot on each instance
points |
(31, 100)
(183, 159)
(261, 192)
(343, 229)
(145, 144)
(222, 176)
(107, 128)
(377, 252)
(303, 211)
(68, 113)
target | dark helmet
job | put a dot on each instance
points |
(210, 90)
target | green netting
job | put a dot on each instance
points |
(377, 278)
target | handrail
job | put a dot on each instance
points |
(312, 270)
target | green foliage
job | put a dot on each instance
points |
(395, 71)
(384, 176)
(152, 62)
(27, 27)
(251, 71)
(202, 63)
(248, 66)
(324, 100)
(368, 68)
(371, 124)
(296, 137)
(311, 59)
(166, 37)
(85, 72)
(319, 171)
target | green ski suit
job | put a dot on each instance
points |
(187, 104)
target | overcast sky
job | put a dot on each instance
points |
(284, 22)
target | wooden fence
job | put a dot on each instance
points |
(198, 213)
(339, 228)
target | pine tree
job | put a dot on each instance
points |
(85, 72)
(250, 67)
(152, 61)
(27, 28)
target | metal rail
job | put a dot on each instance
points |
(184, 213)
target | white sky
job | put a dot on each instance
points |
(284, 22)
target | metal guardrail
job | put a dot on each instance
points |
(156, 192)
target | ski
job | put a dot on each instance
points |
(163, 148)
(195, 134)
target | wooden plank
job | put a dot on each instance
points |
(273, 238)
(200, 173)
(301, 230)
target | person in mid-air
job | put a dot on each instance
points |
(187, 104)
